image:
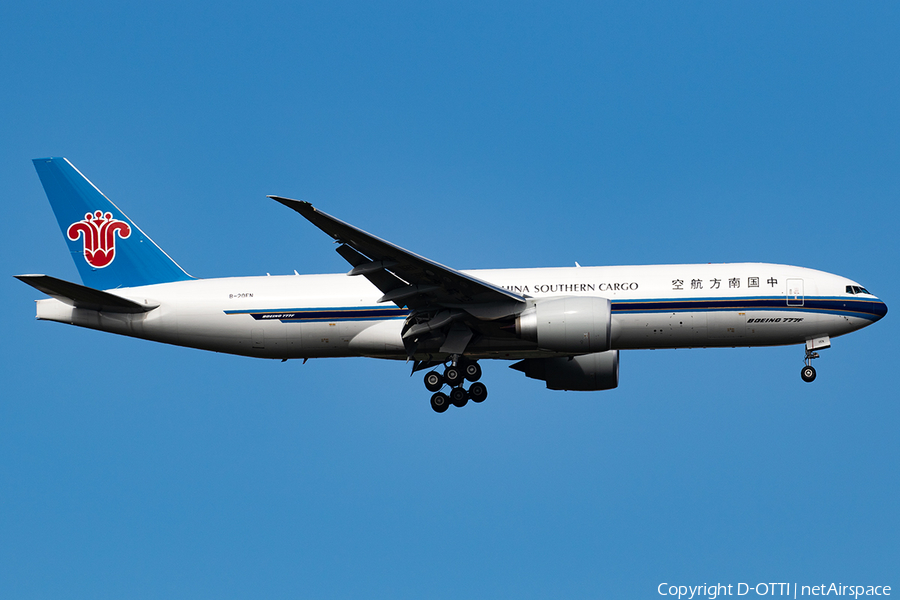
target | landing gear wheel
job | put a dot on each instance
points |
(808, 374)
(453, 376)
(433, 381)
(440, 402)
(472, 371)
(478, 392)
(459, 397)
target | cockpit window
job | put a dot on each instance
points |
(855, 289)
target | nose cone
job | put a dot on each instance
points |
(879, 309)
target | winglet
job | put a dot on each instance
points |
(301, 206)
(309, 212)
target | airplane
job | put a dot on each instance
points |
(563, 326)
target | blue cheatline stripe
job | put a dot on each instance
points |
(311, 315)
(864, 309)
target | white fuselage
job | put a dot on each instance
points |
(654, 306)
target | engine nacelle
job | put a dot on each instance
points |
(576, 324)
(585, 373)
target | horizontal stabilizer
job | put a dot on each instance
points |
(80, 296)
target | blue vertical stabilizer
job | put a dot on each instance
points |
(109, 250)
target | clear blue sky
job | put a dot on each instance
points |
(480, 136)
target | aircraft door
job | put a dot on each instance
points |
(795, 292)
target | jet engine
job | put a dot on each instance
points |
(586, 373)
(574, 324)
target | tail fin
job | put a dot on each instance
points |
(109, 250)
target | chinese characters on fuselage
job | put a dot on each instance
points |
(715, 284)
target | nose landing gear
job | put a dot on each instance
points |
(808, 373)
(455, 374)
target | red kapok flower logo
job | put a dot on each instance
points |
(99, 231)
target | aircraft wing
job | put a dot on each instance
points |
(445, 304)
(404, 277)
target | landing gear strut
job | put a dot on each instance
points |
(455, 375)
(808, 373)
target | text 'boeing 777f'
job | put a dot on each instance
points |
(564, 326)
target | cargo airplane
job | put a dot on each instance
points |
(563, 326)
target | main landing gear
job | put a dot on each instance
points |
(455, 375)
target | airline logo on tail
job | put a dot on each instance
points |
(99, 231)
